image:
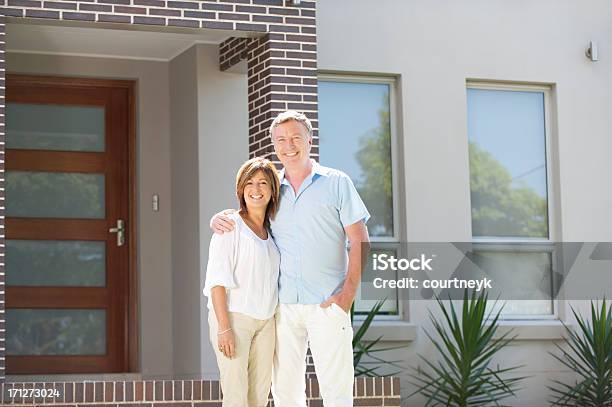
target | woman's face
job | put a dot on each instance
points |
(257, 191)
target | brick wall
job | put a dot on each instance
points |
(180, 393)
(282, 75)
(234, 50)
(277, 38)
(2, 105)
(238, 15)
(282, 62)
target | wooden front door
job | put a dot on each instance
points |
(69, 237)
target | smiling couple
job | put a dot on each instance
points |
(280, 279)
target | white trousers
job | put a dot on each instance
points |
(329, 333)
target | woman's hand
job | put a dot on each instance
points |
(225, 336)
(227, 343)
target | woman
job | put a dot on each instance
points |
(242, 289)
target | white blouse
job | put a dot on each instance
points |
(247, 266)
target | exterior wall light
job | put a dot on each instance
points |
(592, 52)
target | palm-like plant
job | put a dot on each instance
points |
(590, 357)
(370, 365)
(463, 377)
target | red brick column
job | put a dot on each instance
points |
(232, 51)
(2, 138)
(282, 71)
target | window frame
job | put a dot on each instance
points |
(398, 233)
(530, 244)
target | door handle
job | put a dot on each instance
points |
(120, 231)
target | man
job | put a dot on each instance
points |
(319, 209)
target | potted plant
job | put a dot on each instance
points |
(366, 362)
(464, 376)
(589, 356)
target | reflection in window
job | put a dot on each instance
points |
(529, 294)
(355, 137)
(507, 147)
(509, 194)
(367, 295)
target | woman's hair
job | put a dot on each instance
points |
(246, 172)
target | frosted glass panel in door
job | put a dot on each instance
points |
(56, 331)
(55, 263)
(54, 127)
(31, 194)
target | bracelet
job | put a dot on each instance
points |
(222, 332)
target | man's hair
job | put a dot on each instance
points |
(246, 172)
(291, 115)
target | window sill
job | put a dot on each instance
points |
(393, 331)
(396, 331)
(541, 330)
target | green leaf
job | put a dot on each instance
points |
(465, 345)
(365, 353)
(589, 356)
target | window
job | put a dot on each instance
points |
(510, 189)
(357, 136)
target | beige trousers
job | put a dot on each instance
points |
(246, 378)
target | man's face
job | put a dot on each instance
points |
(292, 143)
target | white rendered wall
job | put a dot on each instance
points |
(433, 47)
(222, 148)
(185, 214)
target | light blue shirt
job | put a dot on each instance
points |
(309, 232)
